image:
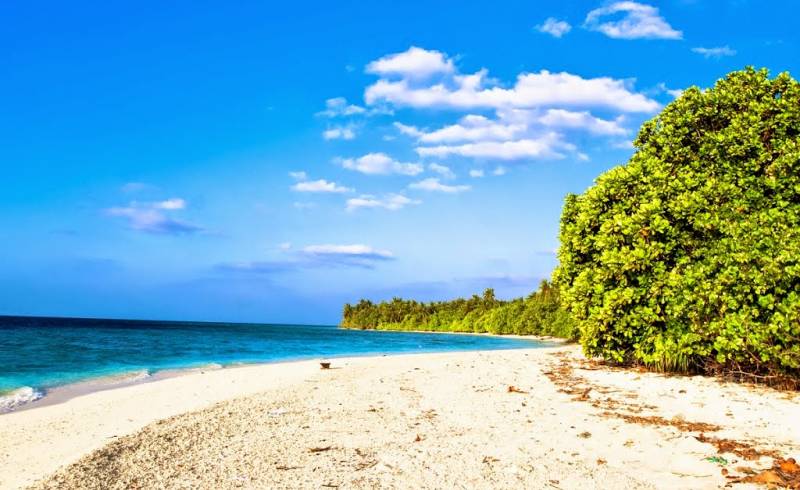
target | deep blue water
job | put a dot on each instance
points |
(40, 353)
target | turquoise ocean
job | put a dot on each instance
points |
(40, 354)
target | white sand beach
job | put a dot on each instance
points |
(533, 418)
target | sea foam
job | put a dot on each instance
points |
(15, 398)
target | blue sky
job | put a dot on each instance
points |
(261, 162)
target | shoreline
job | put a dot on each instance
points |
(46, 396)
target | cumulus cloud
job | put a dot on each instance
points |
(442, 170)
(299, 175)
(413, 63)
(339, 133)
(392, 202)
(471, 127)
(531, 90)
(476, 173)
(544, 146)
(512, 134)
(380, 164)
(154, 217)
(338, 106)
(554, 27)
(512, 124)
(320, 185)
(718, 52)
(433, 184)
(500, 171)
(561, 118)
(638, 21)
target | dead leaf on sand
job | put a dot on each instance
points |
(785, 473)
(514, 389)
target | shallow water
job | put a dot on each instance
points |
(38, 354)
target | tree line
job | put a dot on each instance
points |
(540, 313)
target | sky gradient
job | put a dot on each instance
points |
(254, 162)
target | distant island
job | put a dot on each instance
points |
(540, 313)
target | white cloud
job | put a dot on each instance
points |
(312, 257)
(338, 106)
(320, 185)
(170, 204)
(554, 27)
(413, 63)
(470, 128)
(355, 250)
(433, 184)
(639, 21)
(718, 52)
(545, 146)
(380, 164)
(300, 175)
(561, 118)
(675, 93)
(153, 217)
(623, 145)
(583, 157)
(442, 170)
(285, 245)
(339, 132)
(531, 90)
(514, 124)
(408, 130)
(392, 202)
(303, 205)
(500, 171)
(476, 173)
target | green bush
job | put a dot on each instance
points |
(688, 256)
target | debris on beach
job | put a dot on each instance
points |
(785, 473)
(742, 449)
(319, 449)
(514, 389)
(325, 365)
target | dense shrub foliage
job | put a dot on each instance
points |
(538, 314)
(688, 256)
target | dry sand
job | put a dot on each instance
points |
(419, 421)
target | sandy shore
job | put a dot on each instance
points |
(418, 421)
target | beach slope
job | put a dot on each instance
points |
(534, 418)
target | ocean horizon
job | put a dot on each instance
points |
(42, 354)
